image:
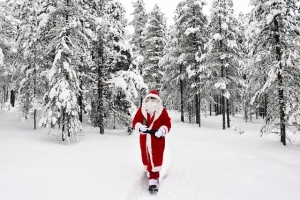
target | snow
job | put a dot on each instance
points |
(98, 21)
(220, 85)
(224, 26)
(1, 57)
(269, 18)
(43, 19)
(191, 30)
(200, 163)
(217, 36)
(139, 59)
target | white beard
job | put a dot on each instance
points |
(151, 106)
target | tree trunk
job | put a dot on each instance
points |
(34, 118)
(222, 72)
(265, 101)
(280, 85)
(197, 104)
(223, 112)
(181, 96)
(199, 110)
(223, 98)
(220, 104)
(6, 96)
(65, 115)
(228, 114)
(34, 94)
(190, 112)
(100, 89)
(80, 97)
(63, 126)
(209, 108)
(216, 105)
(12, 98)
(266, 107)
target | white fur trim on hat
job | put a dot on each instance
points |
(152, 95)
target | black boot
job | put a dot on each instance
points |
(153, 189)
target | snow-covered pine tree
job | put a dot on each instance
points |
(10, 30)
(7, 40)
(138, 23)
(154, 42)
(250, 86)
(173, 81)
(29, 49)
(222, 57)
(170, 81)
(192, 25)
(273, 35)
(110, 54)
(61, 106)
(2, 72)
(118, 98)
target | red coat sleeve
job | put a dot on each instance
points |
(137, 119)
(167, 121)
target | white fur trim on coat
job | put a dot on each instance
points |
(152, 182)
(156, 169)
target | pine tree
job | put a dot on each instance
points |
(274, 37)
(111, 55)
(13, 61)
(172, 78)
(154, 41)
(192, 37)
(138, 23)
(251, 83)
(29, 49)
(222, 57)
(61, 107)
(119, 99)
(8, 26)
(173, 85)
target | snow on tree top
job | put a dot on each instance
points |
(191, 30)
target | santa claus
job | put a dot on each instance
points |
(153, 123)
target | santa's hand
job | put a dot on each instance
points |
(160, 133)
(143, 128)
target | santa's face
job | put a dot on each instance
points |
(151, 104)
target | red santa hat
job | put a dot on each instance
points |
(153, 93)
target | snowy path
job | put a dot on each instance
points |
(202, 163)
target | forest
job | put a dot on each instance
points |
(74, 59)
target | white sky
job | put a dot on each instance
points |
(168, 7)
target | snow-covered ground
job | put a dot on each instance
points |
(202, 163)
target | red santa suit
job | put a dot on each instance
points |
(152, 147)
